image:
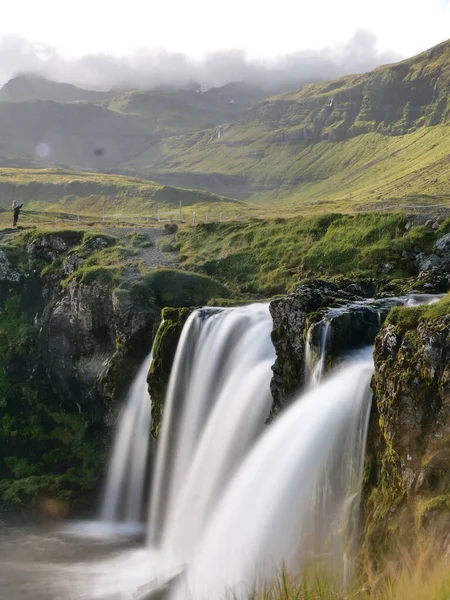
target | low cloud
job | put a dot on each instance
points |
(145, 69)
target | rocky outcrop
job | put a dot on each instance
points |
(89, 345)
(409, 444)
(292, 315)
(434, 268)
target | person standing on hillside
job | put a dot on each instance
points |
(16, 211)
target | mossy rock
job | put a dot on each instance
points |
(171, 287)
(164, 348)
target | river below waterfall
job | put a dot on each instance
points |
(37, 563)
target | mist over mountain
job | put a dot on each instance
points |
(146, 69)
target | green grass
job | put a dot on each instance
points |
(271, 256)
(421, 578)
(86, 193)
(409, 318)
(364, 171)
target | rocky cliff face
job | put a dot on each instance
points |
(69, 347)
(409, 445)
(390, 100)
(293, 315)
(164, 349)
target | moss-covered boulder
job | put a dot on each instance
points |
(164, 348)
(171, 287)
(409, 444)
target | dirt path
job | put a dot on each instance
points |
(150, 256)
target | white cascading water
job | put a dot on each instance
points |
(314, 370)
(232, 498)
(294, 496)
(217, 403)
(126, 477)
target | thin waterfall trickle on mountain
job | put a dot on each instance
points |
(127, 472)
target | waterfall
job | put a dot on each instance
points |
(124, 490)
(217, 403)
(233, 499)
(314, 370)
(295, 496)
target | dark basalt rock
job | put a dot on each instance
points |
(293, 314)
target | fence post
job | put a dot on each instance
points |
(159, 216)
(78, 218)
(193, 218)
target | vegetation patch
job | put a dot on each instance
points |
(268, 257)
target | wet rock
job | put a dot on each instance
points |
(429, 262)
(442, 246)
(71, 264)
(292, 315)
(88, 343)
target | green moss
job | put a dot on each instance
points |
(164, 348)
(106, 276)
(170, 287)
(165, 245)
(70, 236)
(407, 318)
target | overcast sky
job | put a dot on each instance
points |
(85, 35)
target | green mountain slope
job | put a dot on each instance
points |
(174, 111)
(58, 190)
(382, 135)
(77, 134)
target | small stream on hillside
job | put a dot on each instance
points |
(231, 498)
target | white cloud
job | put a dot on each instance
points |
(199, 27)
(144, 69)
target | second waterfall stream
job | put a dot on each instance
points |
(234, 499)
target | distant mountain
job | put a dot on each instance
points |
(102, 130)
(77, 134)
(33, 87)
(379, 135)
(170, 111)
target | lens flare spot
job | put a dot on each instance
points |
(43, 150)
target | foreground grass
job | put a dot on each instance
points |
(425, 578)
